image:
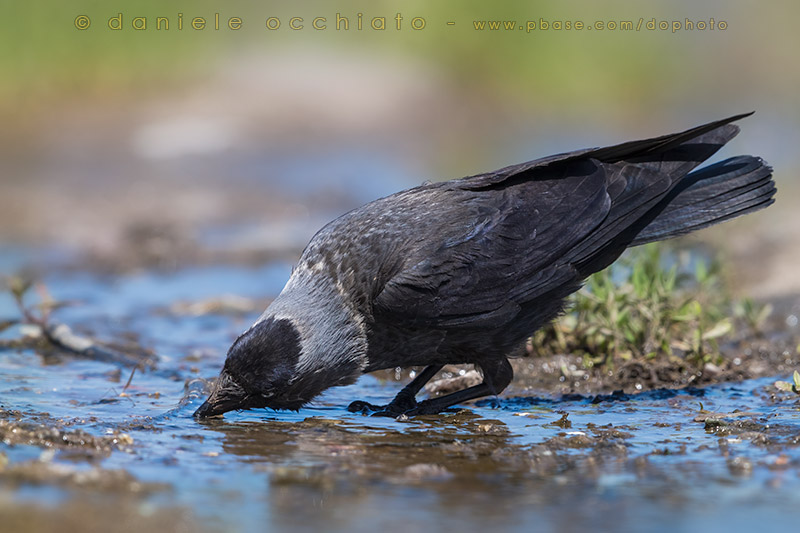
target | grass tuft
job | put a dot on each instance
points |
(651, 306)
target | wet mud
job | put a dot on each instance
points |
(86, 443)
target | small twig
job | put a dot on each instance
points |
(27, 315)
(5, 324)
(47, 301)
(128, 383)
(120, 395)
(62, 336)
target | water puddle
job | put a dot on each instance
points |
(726, 456)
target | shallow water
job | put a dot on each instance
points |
(632, 463)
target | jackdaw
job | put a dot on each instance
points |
(464, 271)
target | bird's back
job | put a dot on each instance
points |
(491, 257)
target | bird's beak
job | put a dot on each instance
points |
(226, 396)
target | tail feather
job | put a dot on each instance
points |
(656, 193)
(644, 183)
(719, 192)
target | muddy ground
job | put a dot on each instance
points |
(637, 432)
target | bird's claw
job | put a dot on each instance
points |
(423, 408)
(395, 409)
(391, 410)
(388, 413)
(364, 408)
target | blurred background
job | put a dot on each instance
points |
(155, 148)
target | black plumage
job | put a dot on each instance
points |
(464, 271)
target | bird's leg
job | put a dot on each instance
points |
(496, 377)
(403, 401)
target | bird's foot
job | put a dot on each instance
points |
(427, 407)
(395, 408)
(421, 408)
(364, 408)
(401, 405)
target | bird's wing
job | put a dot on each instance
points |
(503, 238)
(500, 248)
(644, 150)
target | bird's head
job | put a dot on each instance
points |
(261, 371)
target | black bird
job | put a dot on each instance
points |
(464, 271)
